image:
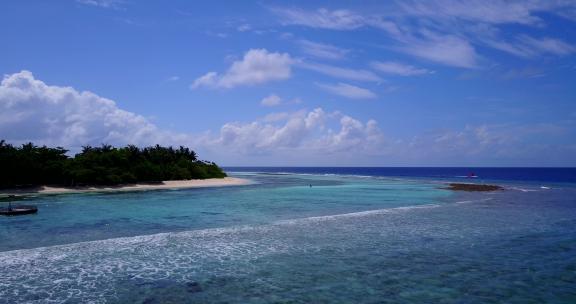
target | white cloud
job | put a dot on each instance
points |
(321, 18)
(441, 48)
(244, 28)
(344, 73)
(445, 49)
(524, 72)
(396, 68)
(529, 47)
(489, 11)
(275, 100)
(309, 138)
(448, 31)
(484, 11)
(114, 4)
(480, 22)
(31, 110)
(300, 131)
(513, 48)
(258, 66)
(271, 100)
(259, 136)
(355, 135)
(321, 50)
(348, 91)
(490, 145)
(547, 45)
(209, 79)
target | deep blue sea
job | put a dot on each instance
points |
(303, 235)
(567, 175)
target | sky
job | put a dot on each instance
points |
(296, 83)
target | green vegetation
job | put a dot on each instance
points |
(30, 165)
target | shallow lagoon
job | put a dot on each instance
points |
(72, 218)
(346, 239)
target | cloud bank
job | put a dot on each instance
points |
(31, 110)
(303, 130)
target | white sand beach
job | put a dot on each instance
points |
(175, 184)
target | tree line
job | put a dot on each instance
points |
(31, 165)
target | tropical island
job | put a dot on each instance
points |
(30, 166)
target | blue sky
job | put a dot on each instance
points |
(371, 83)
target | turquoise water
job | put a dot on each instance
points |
(85, 217)
(344, 240)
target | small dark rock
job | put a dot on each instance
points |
(473, 187)
(193, 287)
(150, 300)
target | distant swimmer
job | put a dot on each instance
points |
(310, 185)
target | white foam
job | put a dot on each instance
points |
(474, 201)
(524, 189)
(88, 269)
(354, 214)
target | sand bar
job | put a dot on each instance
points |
(176, 184)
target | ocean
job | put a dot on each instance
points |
(303, 235)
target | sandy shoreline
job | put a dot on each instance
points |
(176, 184)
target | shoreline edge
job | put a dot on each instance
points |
(172, 184)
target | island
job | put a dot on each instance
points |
(31, 168)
